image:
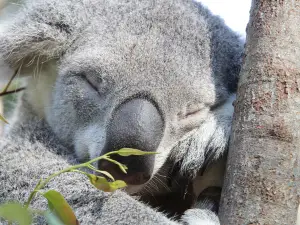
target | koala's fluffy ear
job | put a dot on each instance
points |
(38, 33)
(5, 71)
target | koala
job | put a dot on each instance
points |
(158, 76)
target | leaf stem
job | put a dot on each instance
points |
(41, 184)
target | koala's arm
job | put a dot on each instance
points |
(22, 164)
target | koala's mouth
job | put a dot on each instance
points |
(133, 177)
(133, 189)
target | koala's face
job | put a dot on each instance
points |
(129, 74)
(139, 85)
(146, 93)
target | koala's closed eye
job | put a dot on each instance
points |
(97, 81)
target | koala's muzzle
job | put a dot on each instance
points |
(138, 124)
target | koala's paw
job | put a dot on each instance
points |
(202, 213)
(200, 217)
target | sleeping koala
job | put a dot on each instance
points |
(157, 76)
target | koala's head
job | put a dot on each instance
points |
(112, 74)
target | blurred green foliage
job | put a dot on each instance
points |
(10, 101)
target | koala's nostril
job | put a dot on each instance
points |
(131, 178)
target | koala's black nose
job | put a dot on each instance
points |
(137, 124)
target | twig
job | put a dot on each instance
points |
(5, 91)
(12, 92)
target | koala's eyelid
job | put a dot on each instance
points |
(86, 78)
(190, 113)
(194, 109)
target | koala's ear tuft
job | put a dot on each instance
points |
(5, 72)
(38, 33)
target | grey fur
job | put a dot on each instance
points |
(174, 51)
(28, 156)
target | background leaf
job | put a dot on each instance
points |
(15, 212)
(3, 119)
(60, 207)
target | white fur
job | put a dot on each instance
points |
(212, 177)
(200, 217)
(91, 138)
(40, 87)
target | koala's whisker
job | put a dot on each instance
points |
(153, 185)
(147, 190)
(30, 62)
(159, 181)
(39, 66)
(36, 69)
(162, 175)
(15, 3)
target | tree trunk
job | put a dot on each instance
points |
(263, 162)
(1, 113)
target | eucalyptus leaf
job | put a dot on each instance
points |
(106, 174)
(60, 207)
(132, 151)
(102, 184)
(15, 212)
(121, 166)
(52, 219)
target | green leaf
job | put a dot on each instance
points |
(59, 206)
(101, 171)
(3, 119)
(52, 219)
(132, 151)
(15, 212)
(121, 166)
(106, 174)
(102, 184)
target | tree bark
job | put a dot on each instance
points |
(1, 113)
(263, 162)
